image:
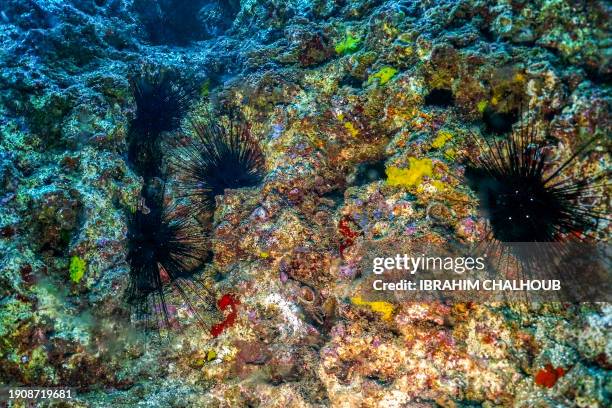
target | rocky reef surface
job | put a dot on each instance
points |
(361, 109)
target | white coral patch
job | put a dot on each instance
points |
(290, 313)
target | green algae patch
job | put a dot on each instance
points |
(77, 269)
(412, 176)
(482, 105)
(384, 75)
(349, 45)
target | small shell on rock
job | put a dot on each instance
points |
(307, 295)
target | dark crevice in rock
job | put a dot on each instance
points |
(181, 22)
(440, 97)
(598, 78)
(487, 34)
(370, 172)
(351, 81)
(499, 122)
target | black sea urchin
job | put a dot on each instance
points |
(220, 156)
(161, 102)
(165, 249)
(525, 197)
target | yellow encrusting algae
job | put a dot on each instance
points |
(411, 176)
(351, 129)
(482, 105)
(386, 309)
(383, 75)
(441, 139)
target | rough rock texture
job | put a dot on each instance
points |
(340, 95)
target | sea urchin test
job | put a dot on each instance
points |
(412, 264)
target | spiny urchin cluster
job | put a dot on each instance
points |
(167, 246)
(544, 221)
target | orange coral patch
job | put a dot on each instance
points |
(548, 376)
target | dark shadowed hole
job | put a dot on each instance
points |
(180, 22)
(598, 77)
(370, 172)
(337, 196)
(499, 122)
(350, 81)
(440, 97)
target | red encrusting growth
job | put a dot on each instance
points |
(347, 233)
(223, 303)
(548, 376)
